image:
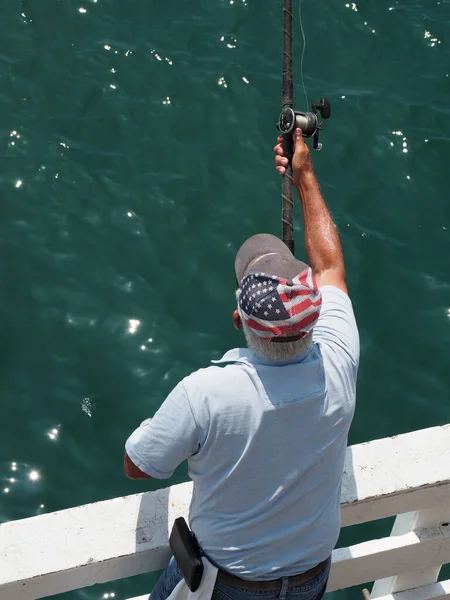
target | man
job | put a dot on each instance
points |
(265, 433)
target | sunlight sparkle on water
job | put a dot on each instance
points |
(87, 406)
(156, 55)
(133, 325)
(404, 142)
(53, 434)
(33, 476)
(231, 43)
(433, 40)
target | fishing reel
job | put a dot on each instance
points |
(308, 122)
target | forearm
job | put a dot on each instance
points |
(321, 237)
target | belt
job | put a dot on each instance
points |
(272, 585)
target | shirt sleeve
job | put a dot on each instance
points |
(336, 327)
(160, 444)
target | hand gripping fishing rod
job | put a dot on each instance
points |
(289, 120)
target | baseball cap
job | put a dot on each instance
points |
(278, 296)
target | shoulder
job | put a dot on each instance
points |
(211, 377)
(336, 328)
(336, 309)
(211, 389)
(330, 293)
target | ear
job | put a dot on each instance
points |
(237, 320)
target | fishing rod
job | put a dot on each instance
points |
(290, 119)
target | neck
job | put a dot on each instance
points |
(276, 353)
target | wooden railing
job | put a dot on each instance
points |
(406, 475)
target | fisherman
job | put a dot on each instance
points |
(265, 430)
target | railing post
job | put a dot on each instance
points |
(429, 519)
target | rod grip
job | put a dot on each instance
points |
(288, 146)
(287, 214)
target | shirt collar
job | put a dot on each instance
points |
(247, 356)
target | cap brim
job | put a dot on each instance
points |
(265, 253)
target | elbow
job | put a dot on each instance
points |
(132, 471)
(334, 276)
(127, 469)
(335, 269)
(129, 474)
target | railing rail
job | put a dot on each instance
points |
(410, 473)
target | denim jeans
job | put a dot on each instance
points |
(311, 590)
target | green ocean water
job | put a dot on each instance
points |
(136, 150)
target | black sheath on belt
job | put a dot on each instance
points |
(187, 553)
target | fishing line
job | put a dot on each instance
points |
(303, 52)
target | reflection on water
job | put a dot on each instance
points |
(22, 475)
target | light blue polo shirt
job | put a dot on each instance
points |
(265, 445)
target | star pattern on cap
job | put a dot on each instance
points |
(263, 288)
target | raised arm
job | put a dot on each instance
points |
(321, 237)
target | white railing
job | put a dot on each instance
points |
(406, 475)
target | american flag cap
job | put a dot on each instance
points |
(277, 309)
(278, 296)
